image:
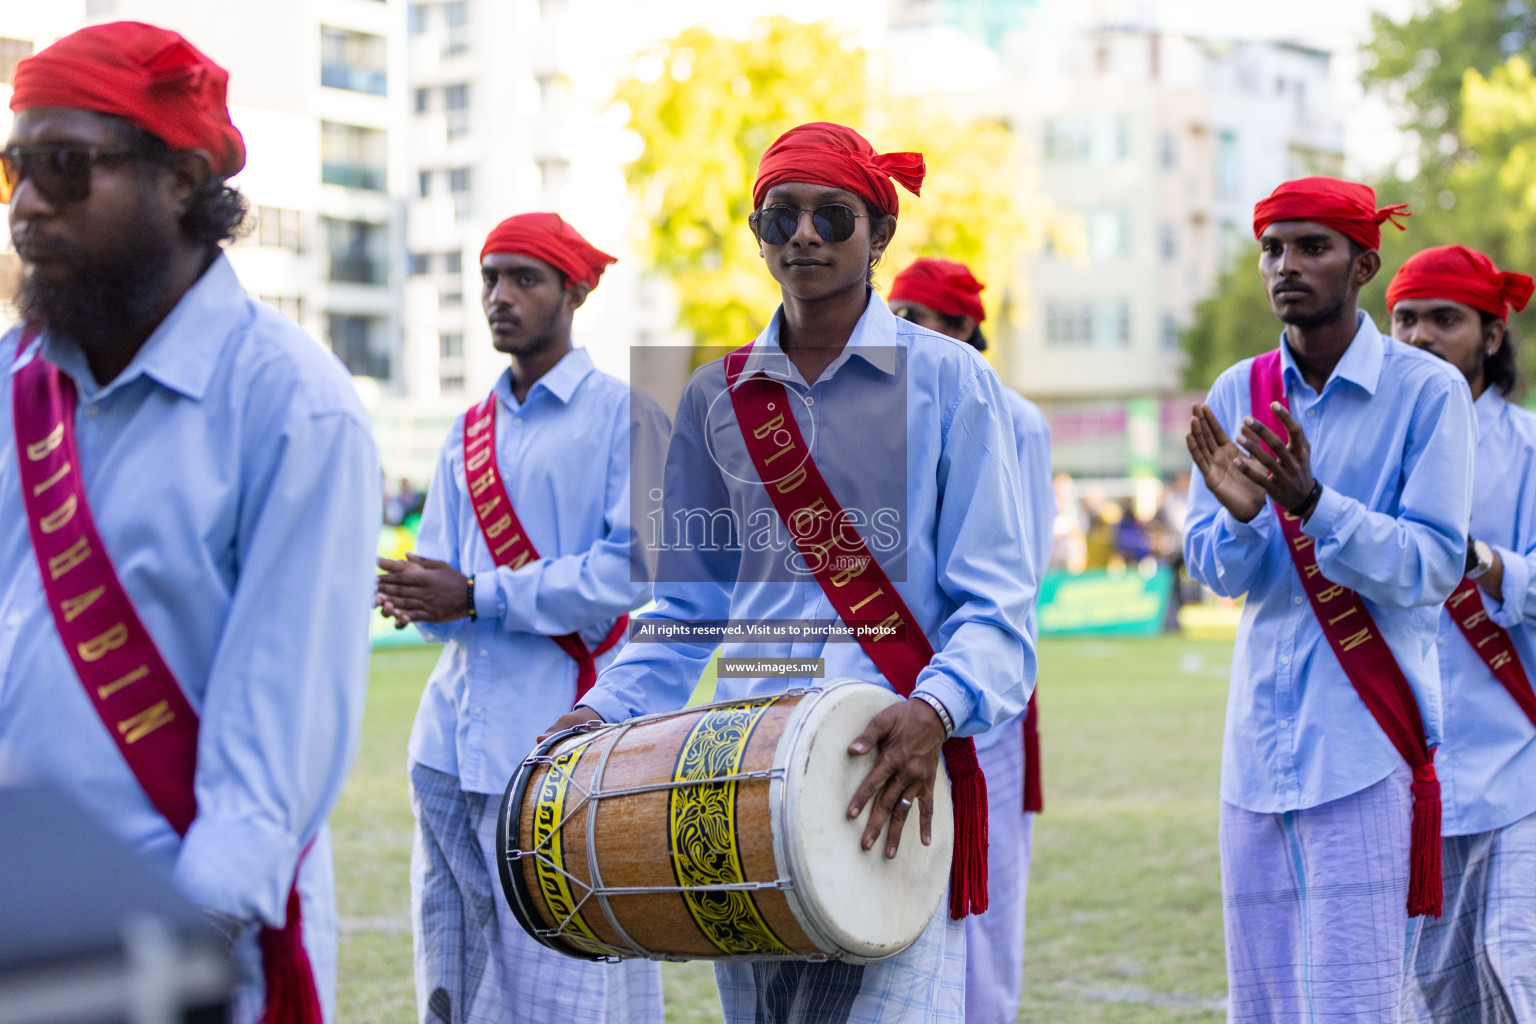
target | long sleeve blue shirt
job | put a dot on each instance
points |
(564, 456)
(232, 476)
(911, 432)
(1487, 765)
(1392, 443)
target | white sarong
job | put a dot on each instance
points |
(994, 941)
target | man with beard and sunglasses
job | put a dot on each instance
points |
(1478, 962)
(871, 422)
(190, 495)
(1334, 492)
(944, 296)
(523, 571)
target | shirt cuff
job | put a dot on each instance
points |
(1509, 612)
(242, 867)
(956, 700)
(1332, 507)
(606, 704)
(489, 603)
(1236, 527)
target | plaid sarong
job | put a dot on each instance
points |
(923, 983)
(1477, 964)
(474, 963)
(994, 941)
(1314, 903)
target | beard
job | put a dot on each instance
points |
(102, 297)
(1329, 313)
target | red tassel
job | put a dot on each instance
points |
(1424, 892)
(291, 994)
(968, 868)
(1034, 799)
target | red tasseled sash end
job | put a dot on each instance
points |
(291, 995)
(1424, 893)
(1034, 797)
(968, 869)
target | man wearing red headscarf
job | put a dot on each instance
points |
(944, 296)
(900, 417)
(1478, 962)
(1333, 493)
(185, 614)
(523, 573)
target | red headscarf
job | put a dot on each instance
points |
(1459, 274)
(544, 236)
(942, 285)
(1346, 206)
(821, 153)
(150, 77)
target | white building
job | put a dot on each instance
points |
(317, 88)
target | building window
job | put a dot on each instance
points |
(450, 346)
(424, 183)
(358, 251)
(11, 51)
(1088, 323)
(279, 228)
(420, 263)
(458, 179)
(456, 103)
(1170, 332)
(355, 61)
(1109, 234)
(291, 306)
(353, 157)
(423, 100)
(1099, 140)
(453, 262)
(418, 19)
(359, 342)
(456, 14)
(1168, 151)
(1228, 173)
(450, 382)
(450, 300)
(1168, 242)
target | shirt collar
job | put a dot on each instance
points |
(874, 340)
(1360, 365)
(182, 352)
(1488, 407)
(560, 382)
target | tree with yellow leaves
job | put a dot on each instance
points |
(707, 106)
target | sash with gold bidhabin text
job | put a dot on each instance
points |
(1367, 660)
(1492, 643)
(116, 660)
(863, 596)
(504, 535)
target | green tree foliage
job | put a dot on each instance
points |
(1231, 324)
(707, 106)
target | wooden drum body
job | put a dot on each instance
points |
(719, 832)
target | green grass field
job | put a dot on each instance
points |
(1124, 918)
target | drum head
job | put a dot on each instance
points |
(866, 905)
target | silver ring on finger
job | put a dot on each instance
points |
(905, 801)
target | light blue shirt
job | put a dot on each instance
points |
(1032, 438)
(1392, 440)
(901, 408)
(565, 458)
(1487, 766)
(232, 476)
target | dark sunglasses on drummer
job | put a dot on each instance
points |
(776, 225)
(61, 172)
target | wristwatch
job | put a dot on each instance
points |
(1479, 558)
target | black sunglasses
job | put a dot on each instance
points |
(776, 225)
(62, 173)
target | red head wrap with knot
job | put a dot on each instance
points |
(1345, 206)
(821, 153)
(150, 77)
(942, 285)
(544, 236)
(1458, 274)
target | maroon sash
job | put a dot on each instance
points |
(1034, 799)
(1367, 661)
(863, 596)
(504, 535)
(125, 678)
(1492, 643)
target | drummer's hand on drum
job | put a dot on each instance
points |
(580, 715)
(422, 590)
(910, 738)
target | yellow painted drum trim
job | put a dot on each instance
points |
(702, 826)
(549, 863)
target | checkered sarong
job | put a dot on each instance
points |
(1477, 964)
(923, 983)
(1315, 905)
(474, 963)
(994, 941)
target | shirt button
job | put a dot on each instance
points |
(1296, 600)
(1311, 412)
(809, 400)
(484, 653)
(90, 412)
(1285, 659)
(1284, 723)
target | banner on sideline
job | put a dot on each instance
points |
(1102, 603)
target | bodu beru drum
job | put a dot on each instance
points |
(719, 832)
